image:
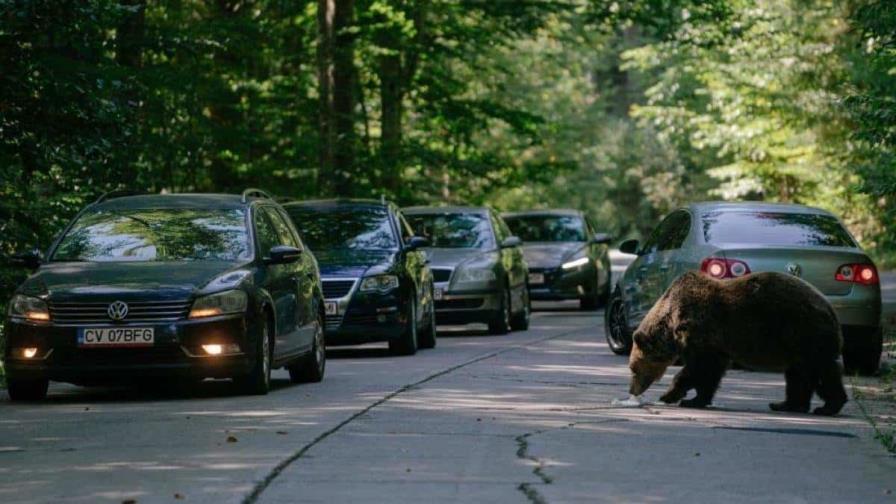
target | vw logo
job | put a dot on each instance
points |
(117, 310)
(794, 269)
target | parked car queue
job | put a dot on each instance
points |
(142, 288)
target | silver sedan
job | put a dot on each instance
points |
(727, 240)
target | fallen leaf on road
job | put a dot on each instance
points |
(129, 501)
(282, 432)
(178, 496)
(232, 439)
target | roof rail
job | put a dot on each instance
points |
(117, 193)
(254, 193)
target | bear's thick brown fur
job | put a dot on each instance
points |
(767, 321)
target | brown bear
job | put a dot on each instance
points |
(766, 321)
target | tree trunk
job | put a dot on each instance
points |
(336, 73)
(129, 39)
(391, 97)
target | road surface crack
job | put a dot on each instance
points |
(529, 489)
(262, 485)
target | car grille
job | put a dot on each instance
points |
(459, 304)
(441, 274)
(151, 312)
(360, 319)
(335, 289)
(333, 321)
(168, 354)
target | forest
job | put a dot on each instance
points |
(625, 109)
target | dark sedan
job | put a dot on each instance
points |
(376, 282)
(568, 258)
(158, 287)
(478, 266)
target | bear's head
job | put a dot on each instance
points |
(659, 338)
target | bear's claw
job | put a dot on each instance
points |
(694, 403)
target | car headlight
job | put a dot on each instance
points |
(222, 303)
(575, 263)
(475, 275)
(29, 308)
(379, 283)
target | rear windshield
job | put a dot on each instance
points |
(344, 227)
(454, 229)
(775, 228)
(547, 228)
(160, 234)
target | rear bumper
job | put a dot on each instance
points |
(175, 353)
(861, 307)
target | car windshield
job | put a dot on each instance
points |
(775, 228)
(345, 227)
(454, 229)
(156, 234)
(547, 228)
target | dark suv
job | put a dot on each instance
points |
(153, 287)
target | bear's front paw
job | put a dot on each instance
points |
(694, 403)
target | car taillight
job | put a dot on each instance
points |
(719, 267)
(865, 274)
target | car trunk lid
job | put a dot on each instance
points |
(817, 266)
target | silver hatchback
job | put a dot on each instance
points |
(727, 240)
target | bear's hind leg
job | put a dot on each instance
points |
(681, 384)
(830, 389)
(708, 371)
(798, 393)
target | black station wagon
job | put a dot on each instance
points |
(375, 277)
(154, 287)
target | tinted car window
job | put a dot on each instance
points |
(675, 231)
(548, 228)
(156, 234)
(775, 228)
(265, 232)
(345, 227)
(284, 234)
(454, 229)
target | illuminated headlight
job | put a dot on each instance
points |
(381, 283)
(29, 308)
(222, 303)
(475, 275)
(220, 349)
(575, 263)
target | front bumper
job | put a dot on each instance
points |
(367, 318)
(560, 284)
(176, 352)
(467, 306)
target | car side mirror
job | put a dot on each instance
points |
(511, 241)
(283, 254)
(416, 242)
(31, 259)
(629, 247)
(601, 238)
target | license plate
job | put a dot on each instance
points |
(331, 308)
(116, 337)
(536, 278)
(438, 294)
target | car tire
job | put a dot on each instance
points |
(27, 390)
(862, 352)
(500, 322)
(520, 321)
(407, 344)
(428, 335)
(619, 337)
(258, 380)
(311, 369)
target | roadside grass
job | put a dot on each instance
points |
(876, 396)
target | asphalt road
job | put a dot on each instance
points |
(518, 418)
